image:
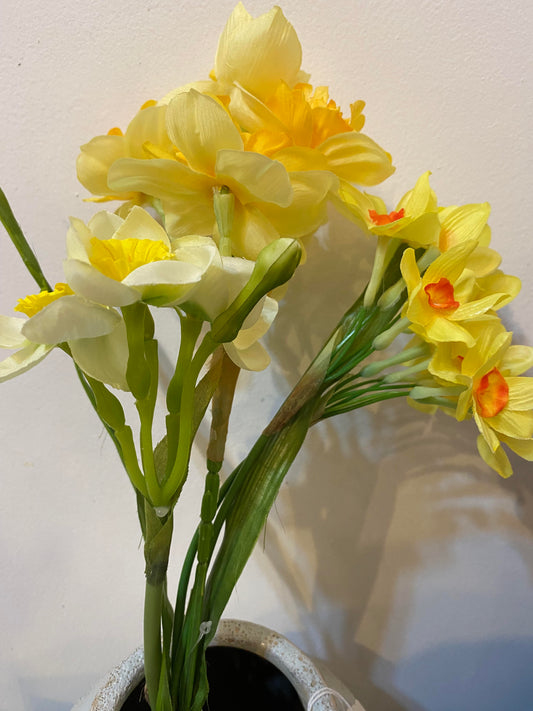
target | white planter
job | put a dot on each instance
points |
(306, 676)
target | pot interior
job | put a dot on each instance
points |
(239, 680)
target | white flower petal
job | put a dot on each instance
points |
(164, 283)
(139, 224)
(87, 281)
(104, 224)
(104, 358)
(11, 332)
(253, 358)
(22, 360)
(69, 318)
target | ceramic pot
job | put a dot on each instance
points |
(306, 675)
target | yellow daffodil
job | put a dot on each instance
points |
(500, 401)
(414, 220)
(268, 202)
(94, 333)
(145, 134)
(447, 297)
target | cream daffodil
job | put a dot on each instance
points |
(221, 283)
(447, 296)
(94, 333)
(117, 262)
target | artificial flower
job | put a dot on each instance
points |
(500, 401)
(447, 296)
(147, 128)
(212, 155)
(94, 333)
(119, 261)
(414, 219)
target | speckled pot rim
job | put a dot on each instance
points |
(301, 671)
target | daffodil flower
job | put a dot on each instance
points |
(414, 220)
(212, 155)
(257, 53)
(500, 401)
(448, 295)
(117, 262)
(94, 333)
(147, 129)
(223, 280)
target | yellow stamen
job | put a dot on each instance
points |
(116, 131)
(116, 258)
(33, 303)
(491, 394)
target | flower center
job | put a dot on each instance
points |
(116, 258)
(33, 303)
(441, 296)
(379, 220)
(491, 394)
(308, 119)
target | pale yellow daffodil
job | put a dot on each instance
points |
(145, 134)
(269, 202)
(257, 53)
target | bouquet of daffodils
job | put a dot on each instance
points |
(219, 185)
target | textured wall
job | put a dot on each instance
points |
(393, 553)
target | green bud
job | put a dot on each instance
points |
(108, 406)
(275, 265)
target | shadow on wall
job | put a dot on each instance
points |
(338, 506)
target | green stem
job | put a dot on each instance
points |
(190, 330)
(153, 609)
(178, 473)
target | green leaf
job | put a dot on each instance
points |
(247, 505)
(23, 248)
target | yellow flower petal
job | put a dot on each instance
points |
(497, 460)
(96, 158)
(357, 158)
(258, 53)
(200, 126)
(253, 177)
(463, 223)
(164, 179)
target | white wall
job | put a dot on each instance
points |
(393, 553)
